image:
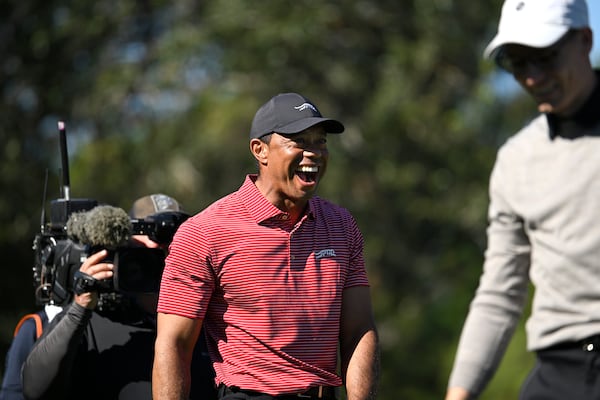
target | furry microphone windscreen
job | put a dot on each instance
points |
(103, 226)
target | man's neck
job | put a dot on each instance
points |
(585, 117)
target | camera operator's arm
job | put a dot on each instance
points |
(48, 369)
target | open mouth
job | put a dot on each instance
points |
(307, 173)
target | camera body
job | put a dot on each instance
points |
(56, 256)
(59, 255)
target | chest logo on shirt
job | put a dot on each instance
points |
(324, 253)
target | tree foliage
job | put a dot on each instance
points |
(158, 97)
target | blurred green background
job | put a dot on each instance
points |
(158, 96)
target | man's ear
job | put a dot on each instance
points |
(588, 39)
(259, 150)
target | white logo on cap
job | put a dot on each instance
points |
(163, 202)
(304, 106)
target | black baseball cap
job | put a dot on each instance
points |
(289, 113)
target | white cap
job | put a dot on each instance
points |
(537, 23)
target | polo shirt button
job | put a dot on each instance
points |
(284, 217)
(293, 257)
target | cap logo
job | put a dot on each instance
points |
(520, 5)
(304, 106)
(163, 202)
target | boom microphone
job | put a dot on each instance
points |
(102, 227)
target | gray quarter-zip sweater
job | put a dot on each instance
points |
(544, 228)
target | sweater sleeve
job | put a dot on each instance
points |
(47, 370)
(502, 292)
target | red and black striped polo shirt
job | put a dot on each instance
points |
(270, 292)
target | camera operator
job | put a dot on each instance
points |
(101, 345)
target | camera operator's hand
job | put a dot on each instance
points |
(93, 267)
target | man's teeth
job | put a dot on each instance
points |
(306, 168)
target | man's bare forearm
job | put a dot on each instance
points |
(362, 372)
(170, 376)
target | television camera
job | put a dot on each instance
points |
(80, 227)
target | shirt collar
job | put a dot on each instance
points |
(259, 207)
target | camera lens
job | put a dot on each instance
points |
(166, 224)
